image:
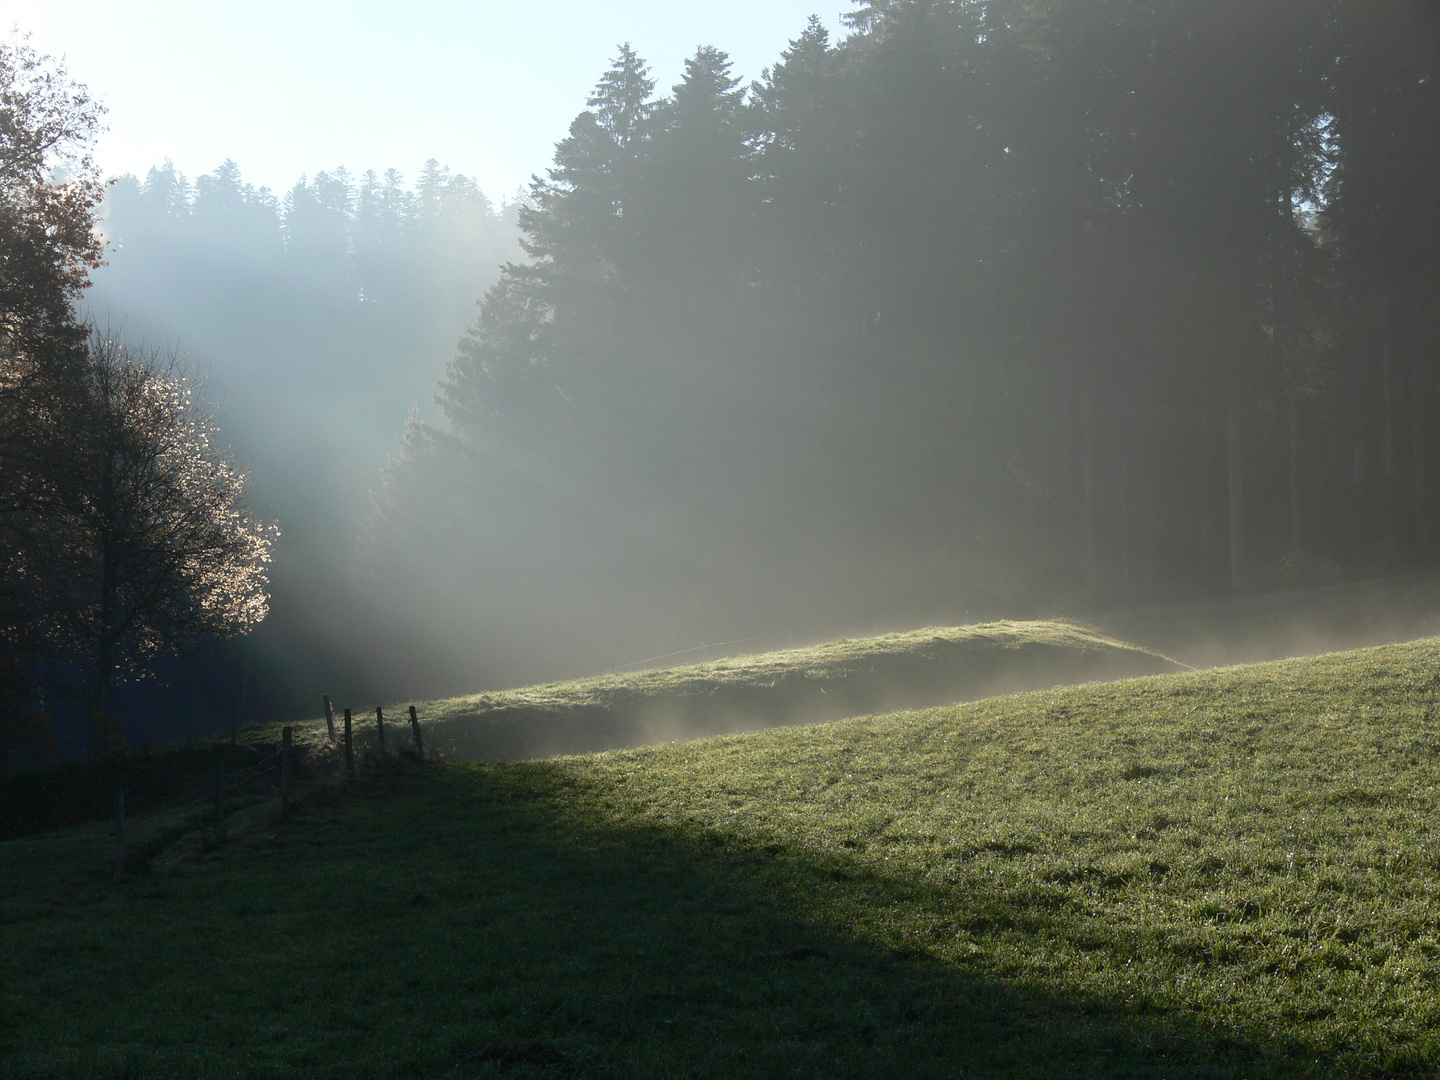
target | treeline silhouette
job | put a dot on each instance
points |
(348, 288)
(983, 306)
(372, 240)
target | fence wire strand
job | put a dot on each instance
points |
(268, 763)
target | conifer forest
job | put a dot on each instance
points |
(970, 309)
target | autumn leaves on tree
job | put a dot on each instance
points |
(124, 533)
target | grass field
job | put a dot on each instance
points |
(1221, 874)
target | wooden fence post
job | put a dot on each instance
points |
(349, 751)
(329, 717)
(415, 727)
(119, 832)
(380, 726)
(285, 753)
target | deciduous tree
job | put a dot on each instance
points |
(49, 188)
(154, 543)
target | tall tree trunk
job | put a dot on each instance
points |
(1353, 517)
(1292, 403)
(1092, 565)
(1417, 461)
(1283, 356)
(1237, 496)
(1124, 516)
(102, 725)
(1387, 440)
(104, 682)
(1207, 488)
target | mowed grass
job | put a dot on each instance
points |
(1224, 874)
(934, 665)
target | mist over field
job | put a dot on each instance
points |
(970, 311)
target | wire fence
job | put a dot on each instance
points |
(277, 771)
(270, 764)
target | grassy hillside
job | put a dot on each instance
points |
(931, 666)
(935, 665)
(1221, 874)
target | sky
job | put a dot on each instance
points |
(290, 87)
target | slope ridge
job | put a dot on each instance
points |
(929, 666)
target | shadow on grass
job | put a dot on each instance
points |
(653, 952)
(60, 795)
(511, 920)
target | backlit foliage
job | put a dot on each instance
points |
(160, 550)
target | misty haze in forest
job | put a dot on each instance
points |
(316, 317)
(980, 309)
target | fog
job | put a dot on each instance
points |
(315, 317)
(980, 310)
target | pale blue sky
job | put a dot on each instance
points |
(293, 86)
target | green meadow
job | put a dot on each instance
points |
(1230, 873)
